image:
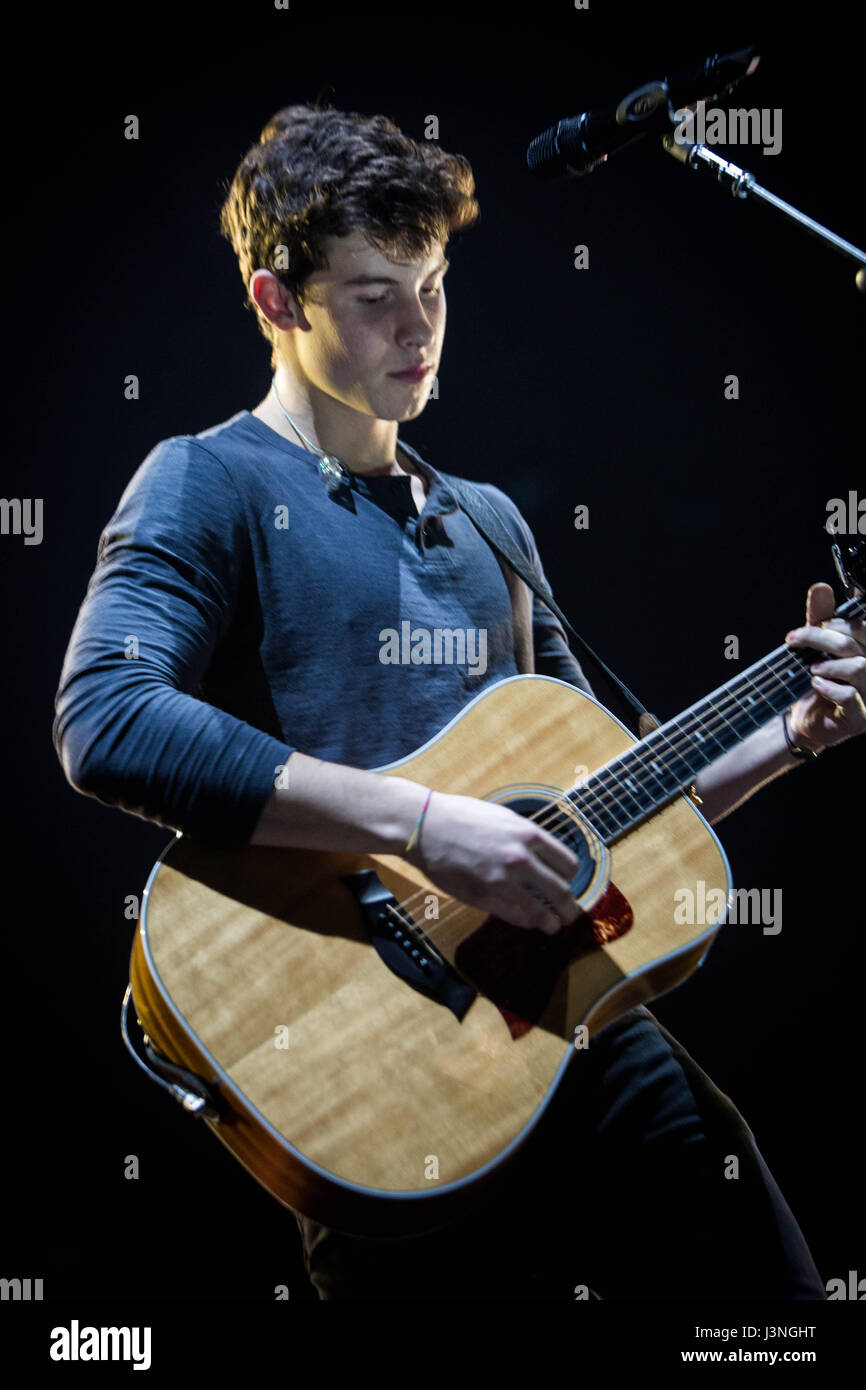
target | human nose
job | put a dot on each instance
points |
(417, 324)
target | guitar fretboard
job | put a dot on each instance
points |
(623, 793)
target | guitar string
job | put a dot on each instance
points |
(642, 748)
(639, 750)
(731, 699)
(547, 817)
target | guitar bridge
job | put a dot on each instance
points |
(403, 947)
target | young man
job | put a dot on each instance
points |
(232, 628)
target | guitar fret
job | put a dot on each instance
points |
(655, 770)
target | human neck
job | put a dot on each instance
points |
(365, 445)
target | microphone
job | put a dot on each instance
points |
(579, 144)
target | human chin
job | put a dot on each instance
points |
(407, 398)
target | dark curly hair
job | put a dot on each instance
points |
(317, 172)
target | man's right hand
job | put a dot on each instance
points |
(490, 858)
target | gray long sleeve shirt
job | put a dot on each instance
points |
(240, 610)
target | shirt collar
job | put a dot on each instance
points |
(440, 498)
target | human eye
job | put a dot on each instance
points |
(435, 290)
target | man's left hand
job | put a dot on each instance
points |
(835, 709)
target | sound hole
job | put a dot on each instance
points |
(560, 823)
(517, 968)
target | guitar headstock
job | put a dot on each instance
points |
(850, 561)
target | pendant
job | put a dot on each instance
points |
(330, 468)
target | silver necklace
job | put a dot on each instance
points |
(330, 467)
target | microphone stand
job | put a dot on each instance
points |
(742, 183)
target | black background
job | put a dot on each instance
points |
(602, 387)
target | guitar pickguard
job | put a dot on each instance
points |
(517, 969)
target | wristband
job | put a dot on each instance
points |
(413, 837)
(794, 747)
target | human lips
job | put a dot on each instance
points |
(415, 373)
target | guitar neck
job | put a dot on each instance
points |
(623, 793)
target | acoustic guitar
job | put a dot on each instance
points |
(372, 1049)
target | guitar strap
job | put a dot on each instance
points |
(488, 522)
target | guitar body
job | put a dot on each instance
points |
(350, 1093)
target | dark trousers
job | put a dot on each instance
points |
(624, 1190)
